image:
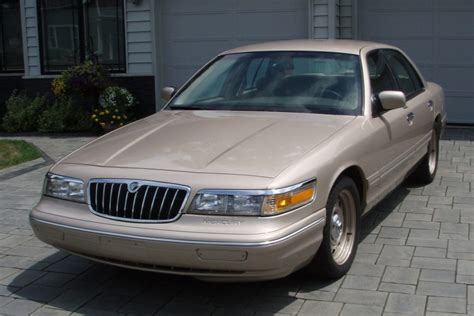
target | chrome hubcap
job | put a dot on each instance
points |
(342, 227)
(336, 227)
(433, 153)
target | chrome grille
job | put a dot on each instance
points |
(138, 201)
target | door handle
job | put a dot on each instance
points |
(430, 105)
(410, 117)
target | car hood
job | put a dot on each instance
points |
(226, 142)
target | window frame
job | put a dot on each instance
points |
(82, 27)
(3, 69)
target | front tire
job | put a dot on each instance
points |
(341, 232)
(426, 170)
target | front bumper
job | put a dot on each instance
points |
(206, 255)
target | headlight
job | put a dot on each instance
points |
(64, 188)
(220, 204)
(253, 202)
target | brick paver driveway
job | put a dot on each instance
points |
(416, 256)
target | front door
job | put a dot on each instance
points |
(419, 101)
(392, 132)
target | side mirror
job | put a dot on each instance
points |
(167, 93)
(391, 100)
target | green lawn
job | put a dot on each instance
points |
(14, 152)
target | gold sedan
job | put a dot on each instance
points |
(261, 164)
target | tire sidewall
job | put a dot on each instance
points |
(324, 256)
(434, 134)
(422, 174)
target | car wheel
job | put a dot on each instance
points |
(426, 170)
(341, 232)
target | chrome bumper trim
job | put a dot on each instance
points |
(194, 242)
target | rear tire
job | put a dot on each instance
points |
(341, 232)
(426, 170)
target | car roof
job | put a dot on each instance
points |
(337, 46)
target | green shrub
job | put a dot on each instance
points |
(64, 116)
(86, 80)
(22, 113)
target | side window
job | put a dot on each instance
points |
(408, 80)
(381, 78)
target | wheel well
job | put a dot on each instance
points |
(357, 175)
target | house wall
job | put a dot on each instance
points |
(32, 50)
(346, 21)
(327, 19)
(139, 77)
(139, 34)
(319, 11)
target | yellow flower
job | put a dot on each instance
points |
(102, 124)
(113, 116)
(119, 117)
(116, 110)
(111, 122)
(94, 116)
(96, 119)
(101, 113)
(58, 86)
(107, 111)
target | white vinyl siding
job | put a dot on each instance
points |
(345, 19)
(331, 19)
(335, 23)
(320, 12)
(138, 31)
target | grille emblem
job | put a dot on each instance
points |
(133, 187)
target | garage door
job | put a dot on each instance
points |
(438, 35)
(196, 30)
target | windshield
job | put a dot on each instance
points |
(305, 82)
